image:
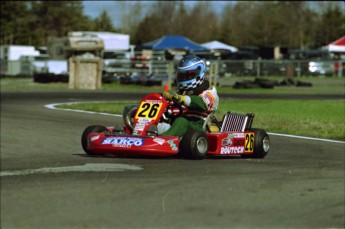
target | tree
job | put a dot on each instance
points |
(147, 29)
(235, 25)
(181, 16)
(331, 25)
(103, 23)
(14, 22)
(130, 24)
(158, 22)
(202, 23)
(57, 18)
(32, 22)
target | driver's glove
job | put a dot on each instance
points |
(171, 95)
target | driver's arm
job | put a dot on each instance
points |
(197, 103)
(194, 102)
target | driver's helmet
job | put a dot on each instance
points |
(190, 72)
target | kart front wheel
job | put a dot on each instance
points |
(128, 115)
(86, 132)
(194, 145)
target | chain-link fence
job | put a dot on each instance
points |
(157, 68)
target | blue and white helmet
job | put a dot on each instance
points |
(190, 72)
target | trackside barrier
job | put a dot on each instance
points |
(218, 68)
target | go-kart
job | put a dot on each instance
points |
(138, 136)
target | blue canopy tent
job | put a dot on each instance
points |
(174, 42)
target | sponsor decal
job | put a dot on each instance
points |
(139, 127)
(230, 135)
(232, 150)
(226, 142)
(144, 120)
(239, 142)
(208, 99)
(172, 145)
(160, 141)
(93, 138)
(125, 142)
(239, 135)
(153, 101)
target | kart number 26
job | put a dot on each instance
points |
(249, 142)
(148, 110)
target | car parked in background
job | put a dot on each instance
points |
(321, 67)
(131, 79)
(156, 79)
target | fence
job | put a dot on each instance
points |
(245, 67)
(160, 66)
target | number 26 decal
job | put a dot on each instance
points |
(249, 145)
(148, 110)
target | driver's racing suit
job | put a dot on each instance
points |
(199, 107)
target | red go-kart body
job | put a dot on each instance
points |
(233, 136)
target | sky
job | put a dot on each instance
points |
(94, 8)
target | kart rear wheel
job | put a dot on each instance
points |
(194, 145)
(84, 136)
(261, 144)
(128, 115)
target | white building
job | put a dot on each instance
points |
(15, 59)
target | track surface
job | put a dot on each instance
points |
(300, 184)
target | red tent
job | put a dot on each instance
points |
(337, 46)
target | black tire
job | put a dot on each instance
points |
(128, 115)
(245, 84)
(303, 84)
(194, 145)
(261, 144)
(90, 129)
(268, 84)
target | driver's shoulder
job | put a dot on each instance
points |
(210, 92)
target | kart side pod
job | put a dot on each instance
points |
(237, 137)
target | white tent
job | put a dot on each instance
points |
(219, 45)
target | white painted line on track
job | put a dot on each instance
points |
(53, 106)
(307, 138)
(96, 167)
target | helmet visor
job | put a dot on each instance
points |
(184, 75)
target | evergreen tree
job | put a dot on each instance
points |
(103, 23)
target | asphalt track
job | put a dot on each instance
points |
(45, 183)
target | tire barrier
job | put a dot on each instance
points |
(269, 84)
(50, 78)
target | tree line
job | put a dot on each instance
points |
(293, 24)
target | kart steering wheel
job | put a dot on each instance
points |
(178, 105)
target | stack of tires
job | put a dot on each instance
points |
(269, 84)
(50, 78)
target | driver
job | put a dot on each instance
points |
(195, 93)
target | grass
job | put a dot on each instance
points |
(321, 119)
(313, 118)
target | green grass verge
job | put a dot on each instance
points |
(316, 118)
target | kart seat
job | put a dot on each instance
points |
(211, 123)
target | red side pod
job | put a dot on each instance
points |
(230, 143)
